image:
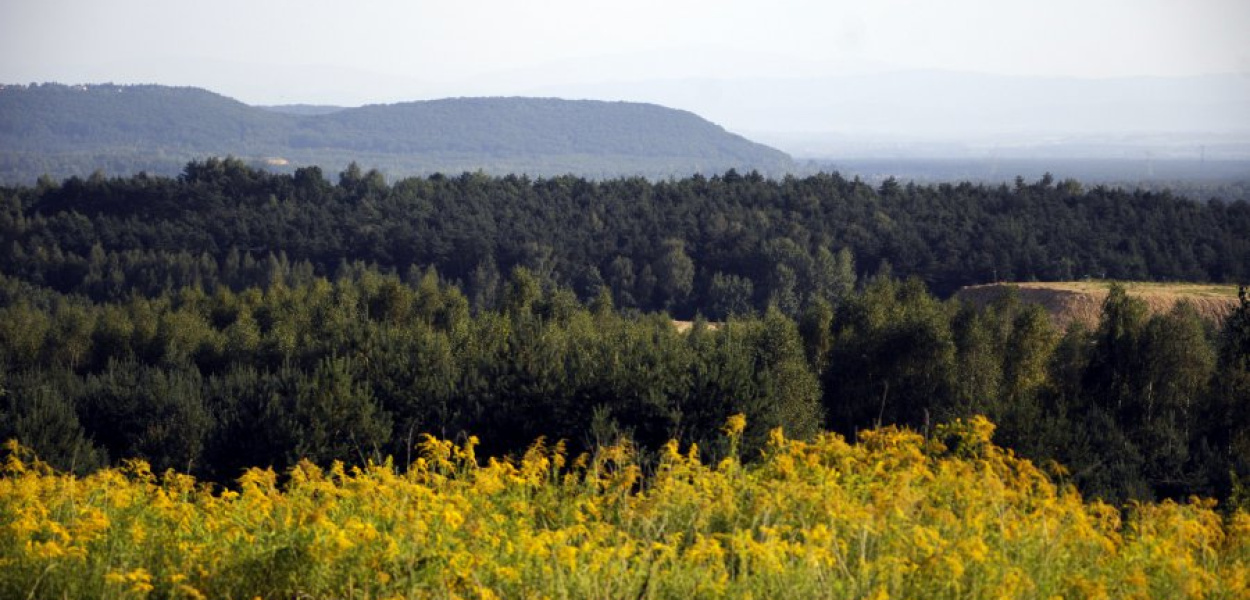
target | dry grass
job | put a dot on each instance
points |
(1070, 302)
(685, 326)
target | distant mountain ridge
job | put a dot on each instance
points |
(65, 130)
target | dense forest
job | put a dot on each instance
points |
(721, 245)
(72, 130)
(231, 317)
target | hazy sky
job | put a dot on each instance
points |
(279, 51)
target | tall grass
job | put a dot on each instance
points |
(892, 516)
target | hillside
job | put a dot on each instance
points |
(1069, 302)
(74, 130)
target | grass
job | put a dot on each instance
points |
(1139, 288)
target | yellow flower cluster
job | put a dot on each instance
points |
(893, 516)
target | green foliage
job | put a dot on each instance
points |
(135, 410)
(721, 245)
(357, 369)
(1230, 404)
(816, 328)
(729, 295)
(893, 358)
(333, 416)
(232, 317)
(674, 273)
(31, 410)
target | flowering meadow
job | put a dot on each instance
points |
(894, 515)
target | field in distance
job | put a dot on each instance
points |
(1081, 301)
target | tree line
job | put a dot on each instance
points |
(715, 245)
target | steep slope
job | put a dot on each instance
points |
(73, 130)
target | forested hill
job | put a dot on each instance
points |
(65, 130)
(718, 245)
(232, 317)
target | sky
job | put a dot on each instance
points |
(378, 51)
